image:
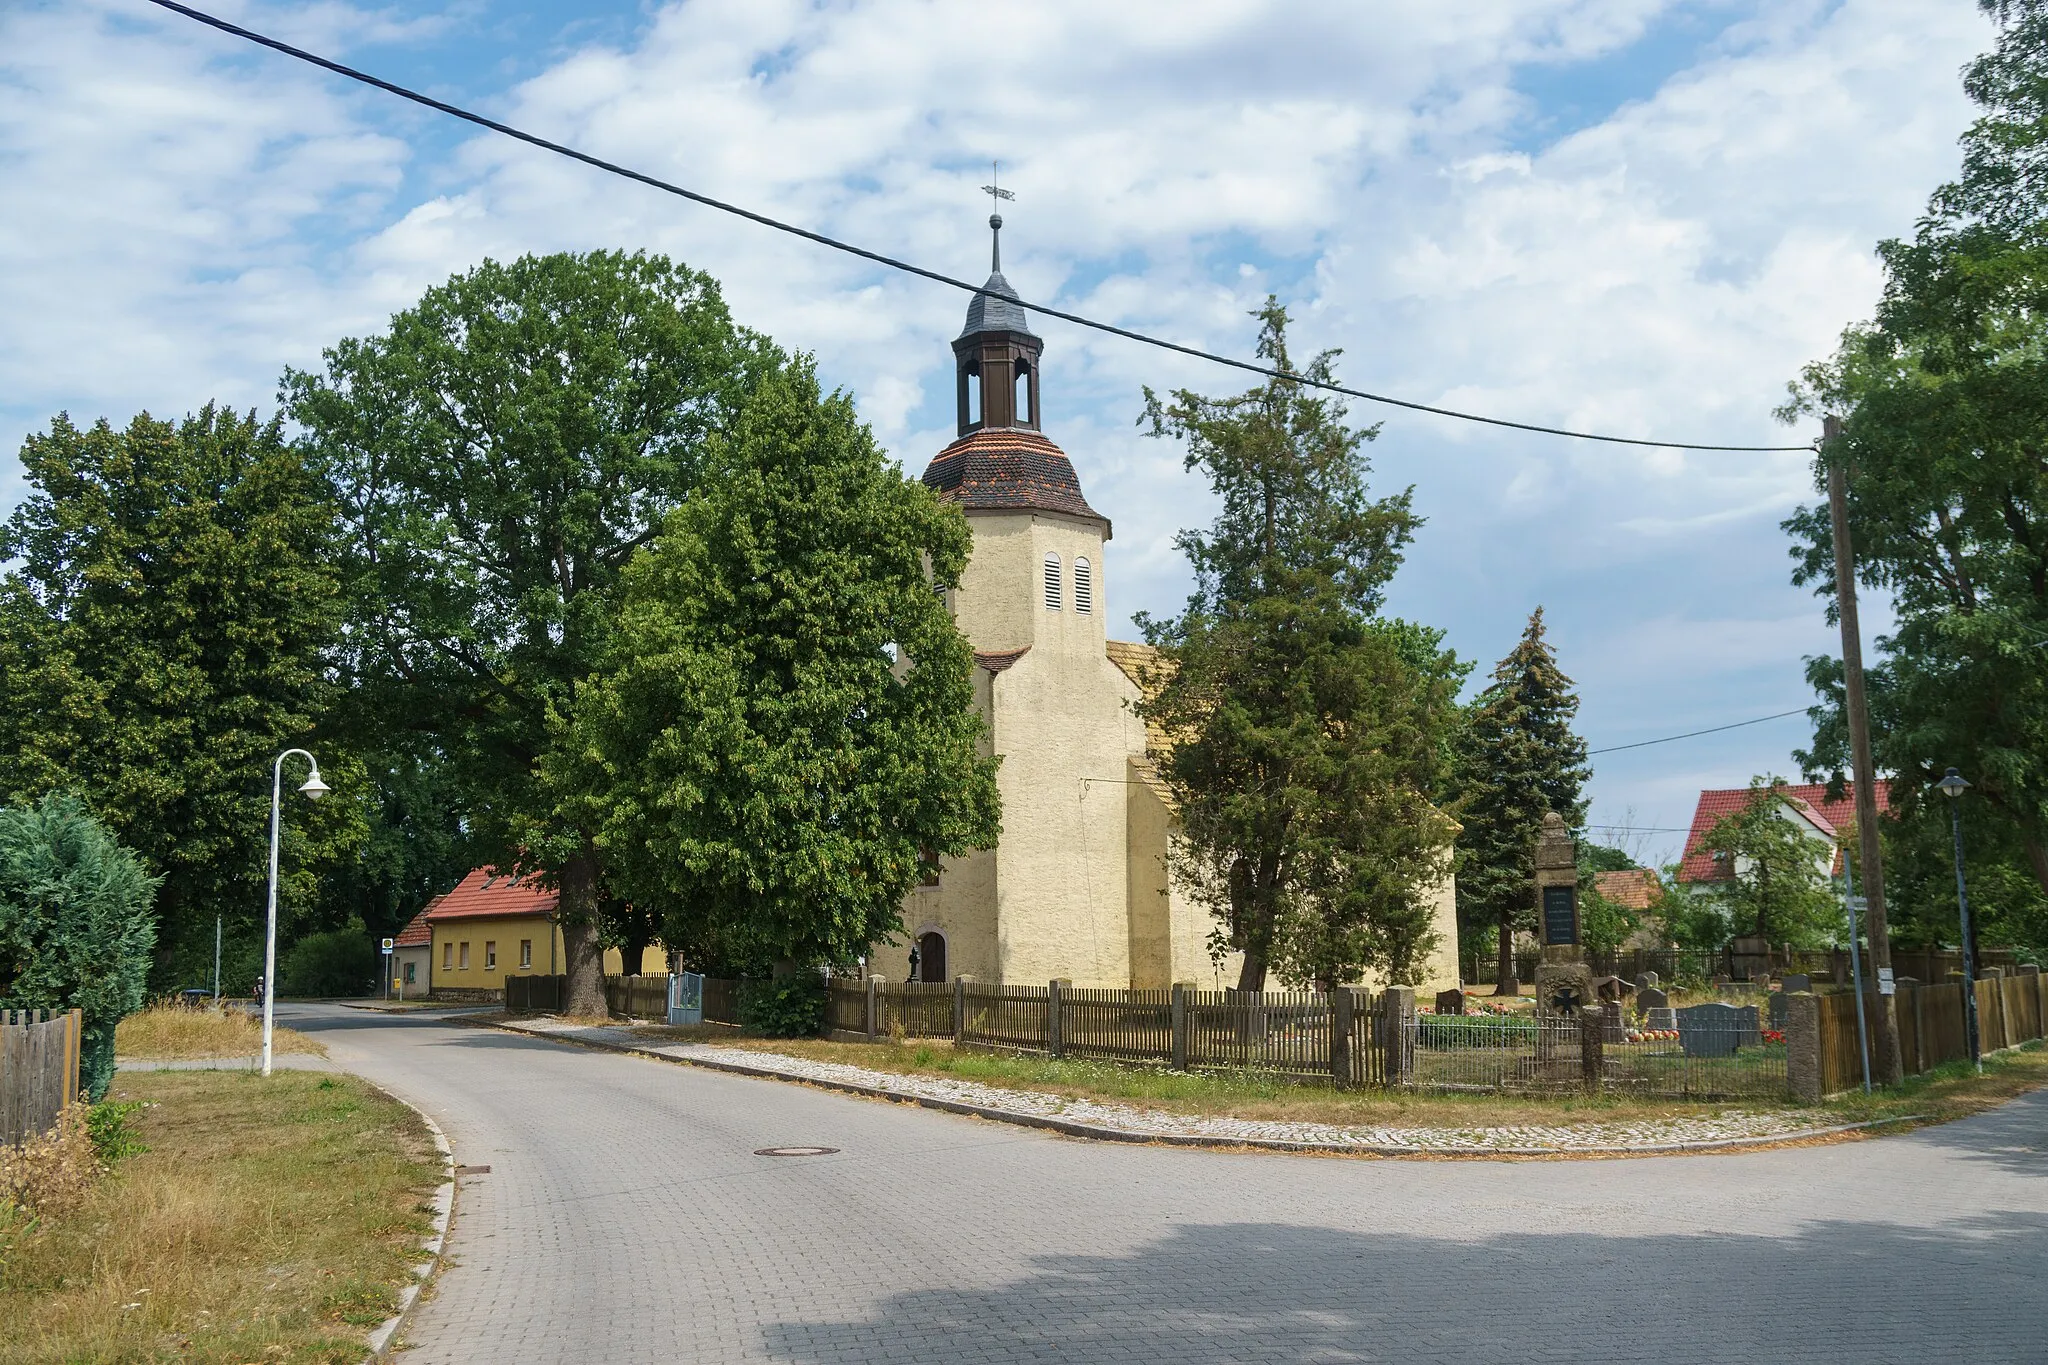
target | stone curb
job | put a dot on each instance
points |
(1105, 1133)
(386, 1334)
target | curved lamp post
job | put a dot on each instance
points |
(314, 789)
(1952, 786)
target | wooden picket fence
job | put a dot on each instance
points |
(1932, 1026)
(1298, 1036)
(38, 1070)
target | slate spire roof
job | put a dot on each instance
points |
(999, 310)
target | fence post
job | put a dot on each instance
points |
(1055, 1024)
(1592, 1035)
(1397, 1034)
(1803, 1043)
(1341, 1009)
(873, 1018)
(1180, 1026)
(74, 1042)
(959, 1008)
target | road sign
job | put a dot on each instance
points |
(1886, 983)
(1859, 903)
(387, 945)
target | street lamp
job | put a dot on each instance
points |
(1952, 786)
(313, 789)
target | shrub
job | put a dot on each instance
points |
(1475, 1030)
(75, 924)
(338, 962)
(106, 1124)
(51, 1173)
(786, 1007)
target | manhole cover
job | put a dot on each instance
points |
(794, 1151)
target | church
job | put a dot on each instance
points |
(1078, 887)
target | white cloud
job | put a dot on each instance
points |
(181, 224)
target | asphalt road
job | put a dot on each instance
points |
(626, 1218)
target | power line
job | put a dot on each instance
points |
(1710, 730)
(893, 263)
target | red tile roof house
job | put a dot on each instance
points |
(1808, 805)
(491, 926)
(412, 955)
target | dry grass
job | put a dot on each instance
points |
(47, 1176)
(269, 1220)
(1952, 1091)
(172, 1032)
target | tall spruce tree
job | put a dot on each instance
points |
(1306, 730)
(1519, 760)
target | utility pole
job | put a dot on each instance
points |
(1890, 1070)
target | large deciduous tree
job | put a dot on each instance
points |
(501, 453)
(1306, 731)
(783, 734)
(164, 632)
(1519, 760)
(1944, 400)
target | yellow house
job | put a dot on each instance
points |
(494, 925)
(1079, 886)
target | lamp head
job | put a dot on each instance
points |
(314, 788)
(1953, 785)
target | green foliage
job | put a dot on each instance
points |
(162, 636)
(1308, 732)
(787, 717)
(106, 1124)
(339, 962)
(501, 453)
(1475, 1030)
(784, 1007)
(1944, 400)
(1780, 891)
(75, 924)
(1518, 761)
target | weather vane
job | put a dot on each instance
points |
(995, 190)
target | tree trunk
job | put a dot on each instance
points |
(2037, 858)
(1252, 975)
(633, 941)
(1504, 953)
(584, 993)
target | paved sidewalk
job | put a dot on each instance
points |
(1097, 1118)
(626, 1218)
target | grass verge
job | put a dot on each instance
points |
(1949, 1092)
(172, 1032)
(267, 1220)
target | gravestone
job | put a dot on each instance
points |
(1652, 999)
(1612, 988)
(1711, 1030)
(1562, 990)
(1778, 1010)
(1797, 981)
(1508, 986)
(1557, 890)
(1450, 1002)
(1647, 981)
(1749, 1023)
(1662, 1019)
(1614, 1028)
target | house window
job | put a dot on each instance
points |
(1052, 582)
(447, 957)
(462, 957)
(1084, 586)
(490, 955)
(525, 953)
(409, 969)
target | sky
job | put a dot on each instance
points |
(1630, 216)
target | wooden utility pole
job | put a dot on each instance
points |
(1888, 1063)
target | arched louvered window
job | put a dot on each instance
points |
(1052, 583)
(1084, 585)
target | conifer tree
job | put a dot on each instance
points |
(1519, 760)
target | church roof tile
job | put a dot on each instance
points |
(1009, 468)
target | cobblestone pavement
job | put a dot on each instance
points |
(1646, 1134)
(626, 1218)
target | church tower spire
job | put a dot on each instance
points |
(996, 355)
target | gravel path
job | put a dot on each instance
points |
(1126, 1121)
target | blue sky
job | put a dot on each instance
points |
(1626, 215)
